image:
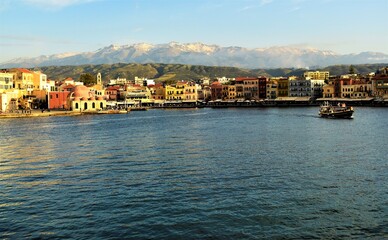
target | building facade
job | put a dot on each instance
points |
(316, 75)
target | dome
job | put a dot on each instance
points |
(81, 91)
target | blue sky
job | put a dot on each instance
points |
(30, 28)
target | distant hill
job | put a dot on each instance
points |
(175, 72)
(202, 54)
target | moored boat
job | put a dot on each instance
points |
(331, 111)
(113, 111)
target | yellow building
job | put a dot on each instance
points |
(23, 81)
(183, 91)
(272, 89)
(138, 95)
(39, 80)
(283, 85)
(317, 75)
(82, 99)
(229, 92)
(6, 81)
(190, 91)
(362, 90)
(7, 93)
(328, 90)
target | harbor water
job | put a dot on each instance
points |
(260, 173)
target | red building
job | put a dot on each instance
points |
(263, 87)
(113, 92)
(58, 100)
(251, 87)
(216, 90)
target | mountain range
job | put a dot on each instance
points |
(203, 54)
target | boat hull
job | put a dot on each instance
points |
(345, 114)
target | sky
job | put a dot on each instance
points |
(30, 28)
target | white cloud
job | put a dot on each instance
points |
(265, 2)
(55, 4)
(246, 8)
(294, 9)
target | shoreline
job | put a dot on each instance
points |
(38, 113)
(53, 113)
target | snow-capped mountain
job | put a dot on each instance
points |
(202, 54)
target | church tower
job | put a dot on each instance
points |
(99, 81)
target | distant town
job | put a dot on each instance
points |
(24, 90)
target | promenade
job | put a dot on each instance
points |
(38, 113)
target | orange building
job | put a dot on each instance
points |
(58, 100)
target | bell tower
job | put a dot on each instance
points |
(99, 81)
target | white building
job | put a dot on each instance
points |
(305, 88)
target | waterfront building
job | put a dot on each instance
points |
(299, 88)
(317, 88)
(23, 81)
(272, 89)
(49, 86)
(306, 88)
(250, 87)
(204, 94)
(24, 84)
(9, 100)
(190, 91)
(58, 99)
(82, 99)
(216, 91)
(380, 83)
(138, 95)
(158, 93)
(362, 88)
(172, 93)
(262, 87)
(342, 87)
(283, 85)
(39, 80)
(182, 91)
(113, 92)
(228, 92)
(328, 90)
(6, 81)
(316, 75)
(6, 90)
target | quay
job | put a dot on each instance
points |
(38, 113)
(280, 102)
(51, 113)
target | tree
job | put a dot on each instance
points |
(87, 79)
(351, 69)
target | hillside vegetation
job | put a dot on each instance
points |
(175, 72)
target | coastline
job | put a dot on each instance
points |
(39, 113)
(213, 104)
